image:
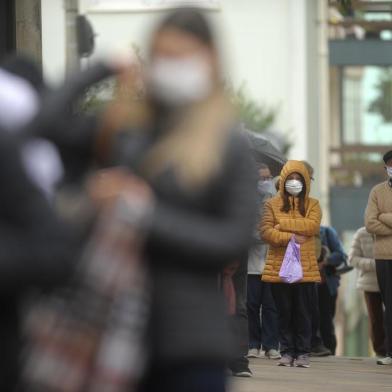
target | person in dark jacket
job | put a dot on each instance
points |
(197, 166)
(204, 204)
(328, 288)
(36, 248)
(35, 252)
(39, 156)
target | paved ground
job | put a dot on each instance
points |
(325, 375)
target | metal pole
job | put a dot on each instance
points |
(324, 107)
(71, 12)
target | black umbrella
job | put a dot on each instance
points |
(265, 152)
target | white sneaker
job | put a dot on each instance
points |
(273, 354)
(253, 353)
(385, 361)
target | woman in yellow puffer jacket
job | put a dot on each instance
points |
(292, 213)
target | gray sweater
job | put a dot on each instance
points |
(258, 251)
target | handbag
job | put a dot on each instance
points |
(291, 268)
(90, 336)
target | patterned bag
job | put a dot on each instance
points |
(291, 269)
(90, 336)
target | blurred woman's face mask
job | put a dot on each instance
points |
(294, 187)
(180, 81)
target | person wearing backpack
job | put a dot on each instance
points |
(292, 214)
(334, 256)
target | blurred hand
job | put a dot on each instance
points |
(301, 239)
(108, 185)
(121, 62)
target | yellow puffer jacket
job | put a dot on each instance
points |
(277, 227)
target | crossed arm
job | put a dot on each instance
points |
(279, 235)
(376, 222)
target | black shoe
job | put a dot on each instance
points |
(343, 268)
(242, 371)
(320, 351)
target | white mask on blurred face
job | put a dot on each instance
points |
(389, 171)
(294, 187)
(180, 81)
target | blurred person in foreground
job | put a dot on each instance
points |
(200, 174)
(292, 214)
(361, 257)
(263, 331)
(36, 251)
(180, 143)
(378, 222)
(40, 157)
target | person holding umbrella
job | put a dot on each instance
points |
(263, 332)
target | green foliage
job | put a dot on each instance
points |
(346, 7)
(256, 116)
(96, 97)
(382, 104)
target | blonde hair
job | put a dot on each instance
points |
(194, 148)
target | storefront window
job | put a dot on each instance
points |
(367, 105)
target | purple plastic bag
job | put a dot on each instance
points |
(291, 269)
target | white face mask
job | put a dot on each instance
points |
(389, 171)
(294, 187)
(180, 81)
(266, 186)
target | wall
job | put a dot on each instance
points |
(28, 27)
(270, 46)
(53, 39)
(264, 47)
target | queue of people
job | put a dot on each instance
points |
(306, 316)
(140, 251)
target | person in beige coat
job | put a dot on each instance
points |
(361, 257)
(378, 221)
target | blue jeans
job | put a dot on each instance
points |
(264, 330)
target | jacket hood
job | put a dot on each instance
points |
(294, 167)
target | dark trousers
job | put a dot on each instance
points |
(185, 378)
(384, 277)
(327, 308)
(239, 321)
(316, 336)
(376, 321)
(263, 331)
(294, 305)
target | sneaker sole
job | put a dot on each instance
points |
(285, 364)
(303, 366)
(253, 356)
(384, 364)
(243, 374)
